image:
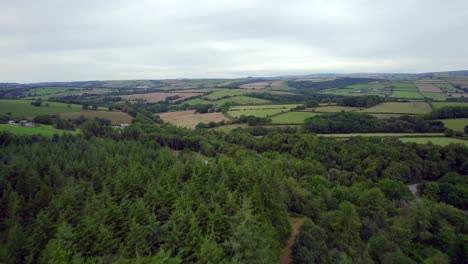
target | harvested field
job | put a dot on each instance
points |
(427, 87)
(115, 117)
(255, 85)
(157, 97)
(276, 83)
(400, 108)
(189, 119)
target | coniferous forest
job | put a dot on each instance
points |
(161, 194)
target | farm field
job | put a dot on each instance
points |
(237, 92)
(24, 109)
(274, 106)
(438, 105)
(445, 87)
(189, 119)
(400, 108)
(404, 86)
(160, 96)
(435, 96)
(115, 117)
(427, 87)
(256, 112)
(292, 117)
(457, 124)
(443, 141)
(256, 85)
(406, 94)
(43, 130)
(46, 92)
(237, 99)
(332, 109)
(383, 135)
(230, 127)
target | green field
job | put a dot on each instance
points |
(435, 96)
(406, 94)
(237, 99)
(405, 86)
(457, 124)
(443, 141)
(400, 108)
(24, 109)
(438, 105)
(254, 107)
(292, 117)
(221, 93)
(257, 112)
(44, 130)
(382, 116)
(445, 87)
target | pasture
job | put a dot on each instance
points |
(443, 141)
(256, 112)
(400, 108)
(256, 85)
(254, 107)
(237, 99)
(46, 92)
(160, 96)
(43, 130)
(438, 105)
(406, 94)
(435, 96)
(115, 117)
(24, 109)
(445, 87)
(406, 86)
(457, 124)
(332, 109)
(292, 117)
(189, 119)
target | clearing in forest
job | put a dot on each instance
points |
(296, 223)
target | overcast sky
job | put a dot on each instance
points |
(64, 40)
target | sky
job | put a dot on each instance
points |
(63, 40)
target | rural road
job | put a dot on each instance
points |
(296, 223)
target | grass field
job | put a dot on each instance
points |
(115, 117)
(383, 135)
(404, 86)
(256, 112)
(24, 109)
(237, 99)
(382, 116)
(292, 117)
(445, 87)
(189, 119)
(438, 105)
(435, 96)
(254, 107)
(43, 130)
(333, 109)
(400, 108)
(406, 94)
(443, 141)
(457, 124)
(46, 92)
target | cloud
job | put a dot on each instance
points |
(58, 40)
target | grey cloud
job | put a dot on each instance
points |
(53, 40)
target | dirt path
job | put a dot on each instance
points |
(296, 223)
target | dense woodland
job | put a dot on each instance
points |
(161, 194)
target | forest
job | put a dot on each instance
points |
(156, 193)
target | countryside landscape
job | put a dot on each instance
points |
(234, 132)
